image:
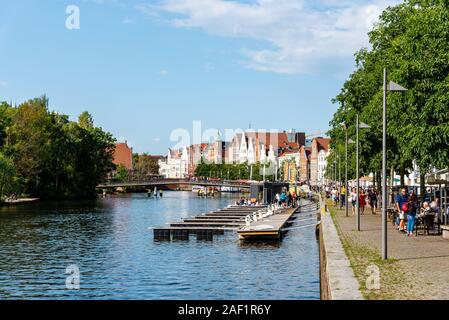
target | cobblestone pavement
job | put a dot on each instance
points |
(424, 260)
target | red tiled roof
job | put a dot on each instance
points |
(323, 143)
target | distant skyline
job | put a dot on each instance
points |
(146, 68)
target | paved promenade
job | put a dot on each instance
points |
(419, 266)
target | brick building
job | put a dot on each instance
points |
(123, 155)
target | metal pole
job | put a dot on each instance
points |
(346, 175)
(384, 172)
(276, 175)
(339, 182)
(339, 172)
(357, 173)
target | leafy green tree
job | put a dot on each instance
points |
(54, 157)
(85, 120)
(121, 173)
(145, 166)
(410, 40)
(7, 176)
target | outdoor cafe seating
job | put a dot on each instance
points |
(428, 224)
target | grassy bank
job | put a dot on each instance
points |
(392, 278)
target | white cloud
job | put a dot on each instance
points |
(128, 21)
(163, 72)
(208, 67)
(301, 36)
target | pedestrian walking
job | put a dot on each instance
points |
(362, 202)
(402, 207)
(353, 200)
(411, 215)
(372, 197)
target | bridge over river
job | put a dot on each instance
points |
(176, 182)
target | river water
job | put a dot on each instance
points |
(109, 242)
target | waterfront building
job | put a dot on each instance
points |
(176, 165)
(304, 162)
(195, 154)
(253, 147)
(123, 155)
(318, 161)
(289, 162)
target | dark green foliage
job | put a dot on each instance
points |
(52, 156)
(411, 40)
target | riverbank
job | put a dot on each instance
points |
(18, 201)
(336, 276)
(417, 268)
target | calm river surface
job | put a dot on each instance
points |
(108, 239)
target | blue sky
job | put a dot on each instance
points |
(144, 68)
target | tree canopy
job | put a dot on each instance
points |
(411, 40)
(44, 154)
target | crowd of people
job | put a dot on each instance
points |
(367, 197)
(286, 199)
(409, 209)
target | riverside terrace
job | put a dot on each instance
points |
(417, 268)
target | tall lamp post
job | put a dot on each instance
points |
(392, 86)
(347, 141)
(359, 125)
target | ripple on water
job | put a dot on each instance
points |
(109, 241)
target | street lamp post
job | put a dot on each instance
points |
(359, 125)
(346, 172)
(392, 86)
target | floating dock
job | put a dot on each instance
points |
(206, 225)
(269, 228)
(252, 223)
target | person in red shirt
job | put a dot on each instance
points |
(362, 202)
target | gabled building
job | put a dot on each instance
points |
(123, 155)
(253, 147)
(318, 161)
(176, 166)
(289, 162)
(304, 163)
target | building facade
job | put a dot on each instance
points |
(123, 155)
(318, 161)
(176, 166)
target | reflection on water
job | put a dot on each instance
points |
(108, 239)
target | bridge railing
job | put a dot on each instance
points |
(212, 182)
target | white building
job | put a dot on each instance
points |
(251, 147)
(176, 166)
(322, 166)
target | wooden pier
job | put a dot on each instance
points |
(206, 225)
(269, 228)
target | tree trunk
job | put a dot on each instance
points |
(402, 173)
(422, 185)
(379, 181)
